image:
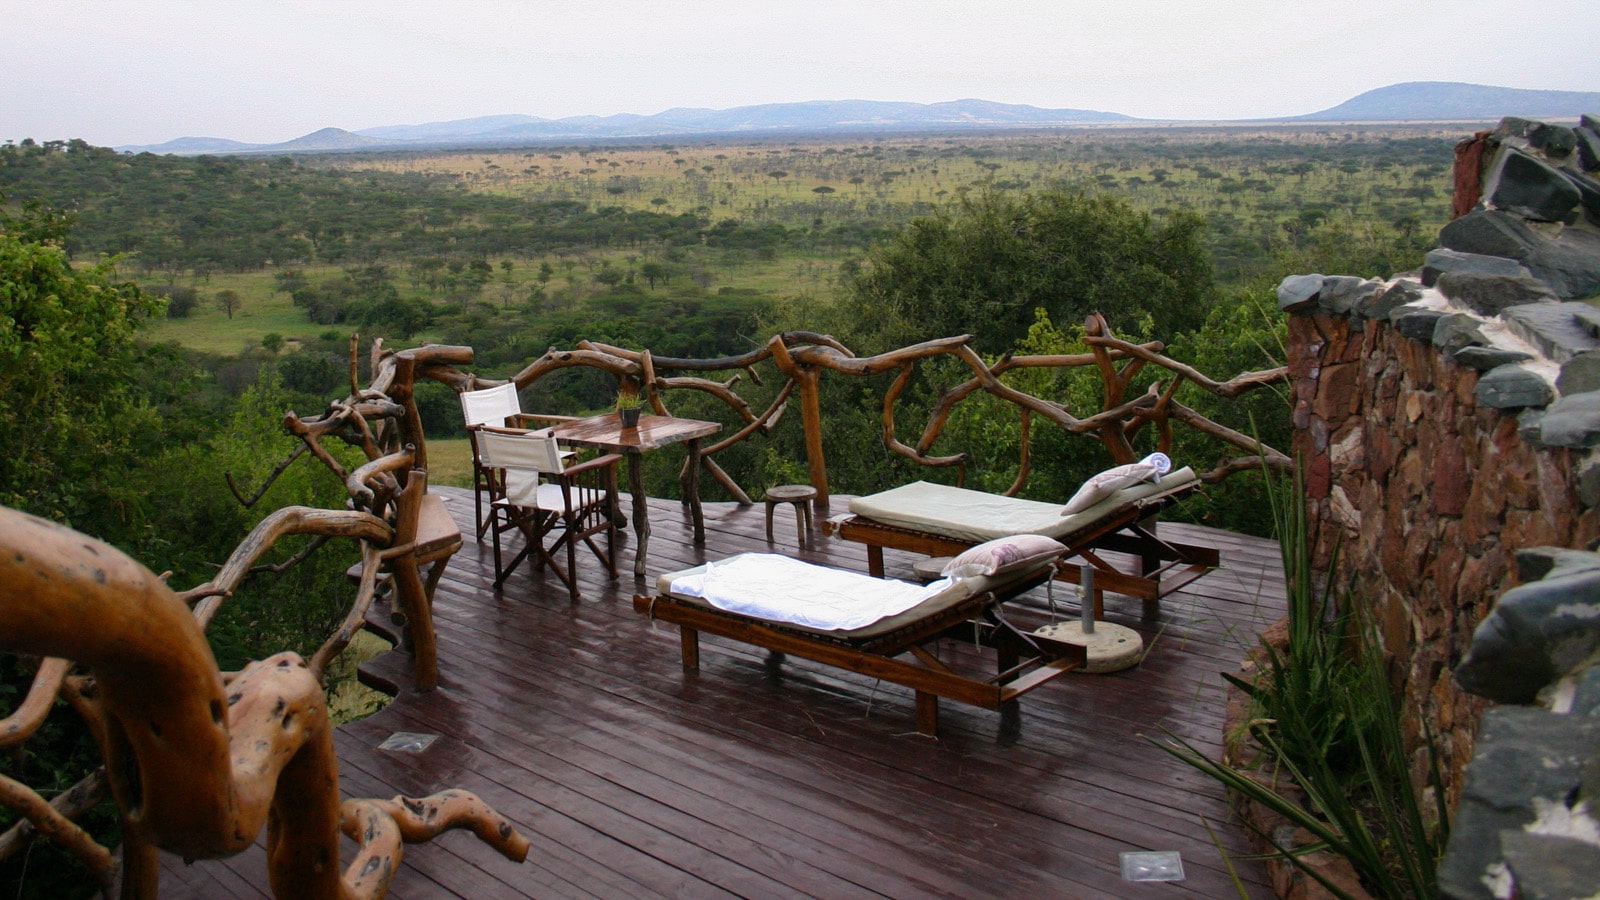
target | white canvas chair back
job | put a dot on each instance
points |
(523, 457)
(491, 406)
(537, 452)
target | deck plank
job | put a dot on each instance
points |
(633, 777)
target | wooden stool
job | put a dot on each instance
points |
(801, 496)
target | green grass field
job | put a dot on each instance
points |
(450, 462)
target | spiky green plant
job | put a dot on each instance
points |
(1324, 715)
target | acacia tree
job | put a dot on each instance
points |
(229, 301)
(982, 265)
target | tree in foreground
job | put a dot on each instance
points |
(983, 265)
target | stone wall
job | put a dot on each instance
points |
(1446, 418)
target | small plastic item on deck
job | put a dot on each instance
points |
(1152, 865)
(408, 742)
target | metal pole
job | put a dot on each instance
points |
(1086, 586)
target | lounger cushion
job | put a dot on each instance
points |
(958, 592)
(968, 515)
(1107, 483)
(1003, 555)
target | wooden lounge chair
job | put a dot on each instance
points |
(1025, 661)
(940, 520)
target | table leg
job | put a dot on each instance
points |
(641, 521)
(691, 490)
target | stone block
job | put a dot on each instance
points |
(1457, 331)
(1589, 481)
(1451, 480)
(1537, 633)
(1530, 424)
(1336, 393)
(1528, 761)
(1441, 260)
(1487, 294)
(1417, 324)
(1558, 330)
(1568, 261)
(1341, 294)
(1485, 358)
(1534, 563)
(1580, 374)
(1319, 477)
(1556, 142)
(1588, 142)
(1588, 318)
(1572, 421)
(1384, 302)
(1586, 702)
(1298, 293)
(1551, 867)
(1520, 183)
(1588, 195)
(1513, 387)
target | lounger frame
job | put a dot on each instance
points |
(1025, 661)
(1159, 566)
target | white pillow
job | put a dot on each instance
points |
(1002, 555)
(1109, 482)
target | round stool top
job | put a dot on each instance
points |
(928, 569)
(791, 493)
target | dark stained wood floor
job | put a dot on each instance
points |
(633, 778)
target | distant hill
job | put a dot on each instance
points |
(326, 140)
(1416, 101)
(812, 116)
(1452, 101)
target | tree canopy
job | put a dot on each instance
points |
(983, 264)
(66, 346)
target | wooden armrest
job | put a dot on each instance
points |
(542, 417)
(599, 462)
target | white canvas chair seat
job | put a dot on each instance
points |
(525, 489)
(496, 407)
(538, 494)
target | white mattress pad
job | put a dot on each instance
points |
(780, 589)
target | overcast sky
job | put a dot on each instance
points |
(122, 72)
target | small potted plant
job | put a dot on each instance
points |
(628, 405)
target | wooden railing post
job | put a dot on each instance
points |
(811, 418)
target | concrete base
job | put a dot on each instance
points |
(1111, 648)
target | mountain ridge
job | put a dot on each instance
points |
(1406, 101)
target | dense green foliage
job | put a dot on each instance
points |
(984, 264)
(72, 416)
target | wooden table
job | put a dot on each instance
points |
(605, 432)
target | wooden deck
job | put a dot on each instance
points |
(633, 778)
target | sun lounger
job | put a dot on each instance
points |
(940, 520)
(944, 609)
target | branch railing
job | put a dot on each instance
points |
(802, 358)
(197, 760)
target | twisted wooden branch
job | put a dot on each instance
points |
(801, 357)
(195, 766)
